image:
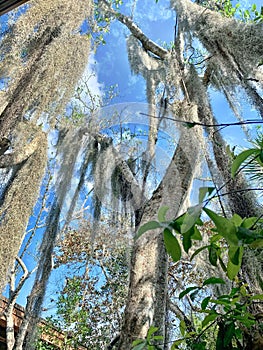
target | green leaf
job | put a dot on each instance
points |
(157, 337)
(213, 280)
(233, 269)
(198, 251)
(177, 223)
(151, 331)
(176, 344)
(138, 341)
(258, 18)
(234, 254)
(258, 243)
(209, 318)
(203, 191)
(230, 332)
(260, 158)
(197, 235)
(241, 158)
(246, 14)
(215, 238)
(187, 243)
(205, 302)
(247, 236)
(236, 219)
(245, 321)
(257, 297)
(213, 254)
(186, 291)
(199, 222)
(243, 291)
(192, 214)
(225, 227)
(151, 225)
(249, 222)
(220, 302)
(139, 344)
(182, 327)
(171, 244)
(254, 7)
(234, 292)
(162, 212)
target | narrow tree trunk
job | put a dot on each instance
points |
(13, 294)
(27, 333)
(69, 145)
(241, 202)
(18, 202)
(10, 333)
(146, 303)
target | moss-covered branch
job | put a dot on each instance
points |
(147, 44)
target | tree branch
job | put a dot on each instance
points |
(11, 159)
(147, 44)
(113, 342)
(137, 197)
(181, 315)
(10, 335)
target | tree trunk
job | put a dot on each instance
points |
(13, 294)
(241, 202)
(146, 303)
(69, 145)
(19, 200)
(27, 333)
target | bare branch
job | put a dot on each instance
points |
(10, 335)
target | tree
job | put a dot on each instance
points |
(194, 20)
(36, 67)
(232, 59)
(42, 80)
(90, 304)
